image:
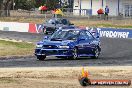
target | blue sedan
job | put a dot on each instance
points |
(69, 43)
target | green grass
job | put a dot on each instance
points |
(8, 80)
(9, 48)
(115, 26)
(22, 19)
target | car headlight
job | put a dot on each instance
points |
(39, 46)
(63, 46)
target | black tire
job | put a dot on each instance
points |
(85, 81)
(46, 33)
(75, 53)
(96, 52)
(41, 58)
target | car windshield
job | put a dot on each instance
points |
(65, 35)
(53, 21)
(64, 21)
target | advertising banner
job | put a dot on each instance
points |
(115, 33)
(14, 26)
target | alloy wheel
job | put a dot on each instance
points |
(75, 53)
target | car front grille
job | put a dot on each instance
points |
(37, 50)
(50, 47)
(50, 29)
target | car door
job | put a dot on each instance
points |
(85, 39)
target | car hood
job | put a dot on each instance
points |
(64, 42)
(70, 43)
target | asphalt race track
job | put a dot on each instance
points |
(115, 52)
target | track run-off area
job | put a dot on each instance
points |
(115, 52)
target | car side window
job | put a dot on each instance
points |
(89, 35)
(83, 35)
(51, 21)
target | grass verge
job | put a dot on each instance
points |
(102, 23)
(4, 80)
(10, 48)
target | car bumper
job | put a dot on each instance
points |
(49, 30)
(53, 52)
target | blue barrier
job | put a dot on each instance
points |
(115, 33)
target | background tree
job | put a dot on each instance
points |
(52, 4)
(25, 4)
(40, 3)
(5, 6)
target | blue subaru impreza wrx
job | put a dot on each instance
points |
(69, 43)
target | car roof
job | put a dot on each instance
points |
(68, 29)
(57, 18)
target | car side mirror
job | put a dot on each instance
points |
(81, 39)
(97, 36)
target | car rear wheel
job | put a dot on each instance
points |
(41, 58)
(75, 53)
(46, 32)
(96, 56)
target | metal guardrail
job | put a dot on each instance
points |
(68, 12)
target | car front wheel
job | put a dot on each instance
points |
(75, 53)
(41, 58)
(96, 52)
